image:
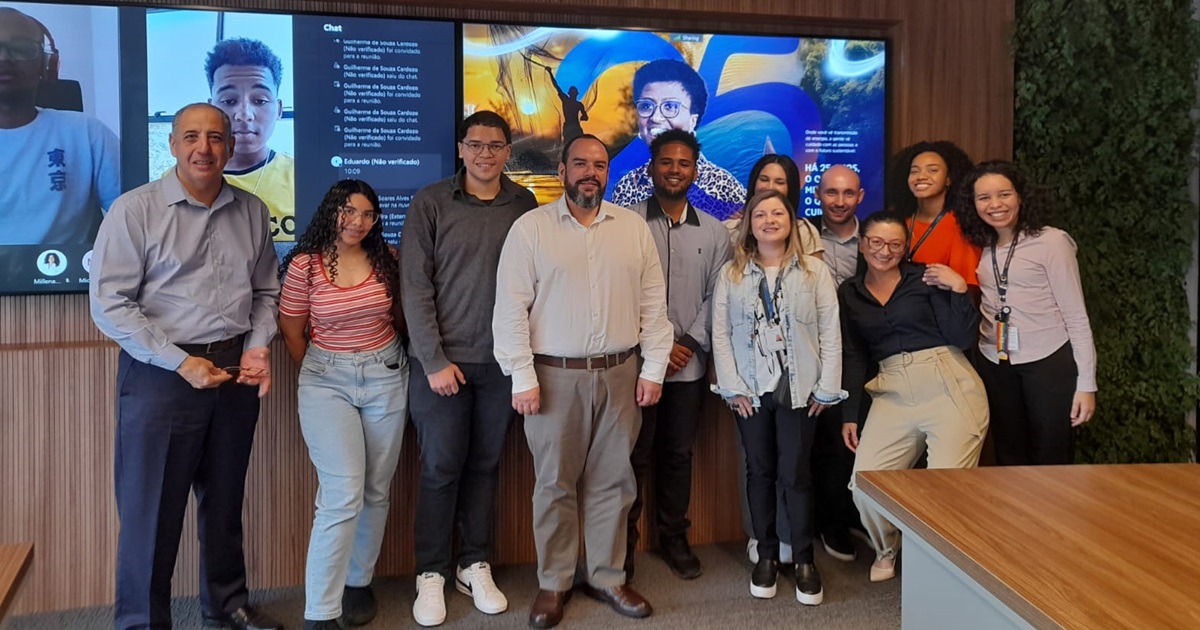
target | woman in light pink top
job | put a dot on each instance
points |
(1037, 358)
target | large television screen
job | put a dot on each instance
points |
(820, 101)
(96, 89)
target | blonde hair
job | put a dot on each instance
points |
(745, 246)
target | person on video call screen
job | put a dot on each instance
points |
(60, 168)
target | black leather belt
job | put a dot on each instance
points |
(602, 362)
(199, 349)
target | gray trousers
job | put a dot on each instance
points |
(581, 442)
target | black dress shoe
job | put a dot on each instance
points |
(358, 605)
(244, 618)
(679, 557)
(622, 599)
(547, 609)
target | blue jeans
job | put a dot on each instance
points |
(352, 414)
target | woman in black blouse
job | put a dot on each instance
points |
(912, 322)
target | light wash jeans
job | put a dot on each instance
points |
(352, 414)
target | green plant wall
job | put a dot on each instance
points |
(1104, 95)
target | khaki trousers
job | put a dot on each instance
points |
(581, 442)
(931, 398)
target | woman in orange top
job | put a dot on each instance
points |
(922, 190)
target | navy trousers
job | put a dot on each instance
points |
(173, 439)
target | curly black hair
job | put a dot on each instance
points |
(243, 51)
(321, 237)
(1034, 213)
(958, 164)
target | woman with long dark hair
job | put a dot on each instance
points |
(1038, 359)
(922, 189)
(779, 172)
(912, 321)
(340, 317)
(777, 351)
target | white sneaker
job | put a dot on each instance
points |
(430, 607)
(476, 581)
(752, 550)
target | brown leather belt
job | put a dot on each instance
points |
(602, 362)
(200, 349)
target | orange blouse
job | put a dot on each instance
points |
(946, 245)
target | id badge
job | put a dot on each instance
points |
(773, 337)
(1007, 340)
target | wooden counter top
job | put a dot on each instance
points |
(14, 559)
(1064, 546)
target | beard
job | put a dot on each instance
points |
(585, 201)
(662, 192)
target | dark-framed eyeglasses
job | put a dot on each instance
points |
(670, 108)
(475, 148)
(22, 49)
(875, 244)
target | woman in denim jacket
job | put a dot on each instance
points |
(777, 350)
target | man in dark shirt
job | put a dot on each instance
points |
(458, 397)
(693, 247)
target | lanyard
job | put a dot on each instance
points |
(913, 252)
(1002, 280)
(765, 296)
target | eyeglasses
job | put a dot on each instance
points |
(23, 49)
(670, 108)
(875, 244)
(350, 213)
(475, 148)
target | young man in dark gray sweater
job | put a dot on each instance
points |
(458, 397)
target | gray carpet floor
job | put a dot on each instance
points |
(718, 599)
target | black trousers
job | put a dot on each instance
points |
(461, 439)
(665, 446)
(1031, 408)
(778, 444)
(173, 439)
(832, 465)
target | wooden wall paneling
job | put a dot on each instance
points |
(951, 77)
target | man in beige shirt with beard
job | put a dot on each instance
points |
(579, 288)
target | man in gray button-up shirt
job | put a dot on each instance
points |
(693, 247)
(184, 279)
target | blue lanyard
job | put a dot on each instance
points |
(765, 295)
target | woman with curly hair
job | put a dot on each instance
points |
(340, 317)
(921, 188)
(1038, 360)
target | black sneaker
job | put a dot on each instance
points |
(358, 605)
(679, 557)
(327, 624)
(808, 585)
(839, 545)
(763, 578)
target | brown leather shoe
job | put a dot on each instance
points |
(623, 599)
(547, 609)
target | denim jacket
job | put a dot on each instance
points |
(812, 331)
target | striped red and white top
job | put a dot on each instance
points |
(340, 319)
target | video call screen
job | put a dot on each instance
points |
(819, 101)
(313, 99)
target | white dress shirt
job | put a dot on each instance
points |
(566, 290)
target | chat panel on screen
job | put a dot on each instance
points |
(242, 63)
(59, 141)
(820, 101)
(377, 104)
